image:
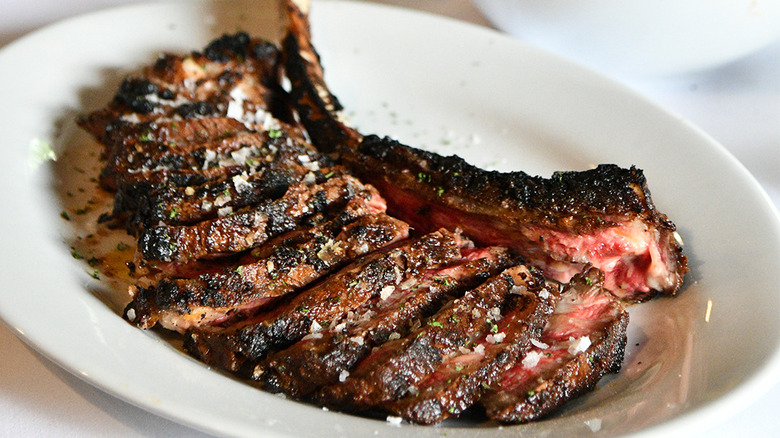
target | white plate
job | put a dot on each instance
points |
(432, 82)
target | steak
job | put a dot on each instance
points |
(321, 357)
(584, 339)
(462, 376)
(397, 368)
(233, 232)
(242, 288)
(356, 272)
(601, 217)
(238, 347)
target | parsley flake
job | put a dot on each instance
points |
(274, 133)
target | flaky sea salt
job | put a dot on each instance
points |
(578, 345)
(531, 359)
(386, 292)
(394, 421)
(496, 338)
(594, 424)
(539, 344)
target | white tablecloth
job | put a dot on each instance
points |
(738, 105)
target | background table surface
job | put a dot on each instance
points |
(738, 105)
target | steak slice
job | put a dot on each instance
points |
(603, 217)
(462, 377)
(239, 347)
(200, 84)
(394, 370)
(245, 229)
(584, 339)
(244, 287)
(321, 357)
(152, 154)
(267, 173)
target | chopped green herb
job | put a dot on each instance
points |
(494, 328)
(329, 174)
(240, 270)
(440, 191)
(274, 133)
(434, 324)
(121, 246)
(82, 210)
(352, 283)
(64, 214)
(75, 254)
(531, 393)
(95, 274)
(146, 136)
(93, 261)
(303, 309)
(174, 212)
(446, 281)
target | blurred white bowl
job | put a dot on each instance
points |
(641, 37)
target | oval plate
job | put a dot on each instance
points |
(433, 83)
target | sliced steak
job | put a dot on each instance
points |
(239, 347)
(323, 356)
(584, 340)
(245, 229)
(197, 85)
(394, 370)
(242, 288)
(267, 173)
(465, 374)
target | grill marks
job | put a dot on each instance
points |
(327, 353)
(462, 376)
(239, 231)
(584, 340)
(243, 287)
(241, 345)
(399, 370)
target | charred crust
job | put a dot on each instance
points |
(195, 109)
(227, 46)
(590, 197)
(132, 93)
